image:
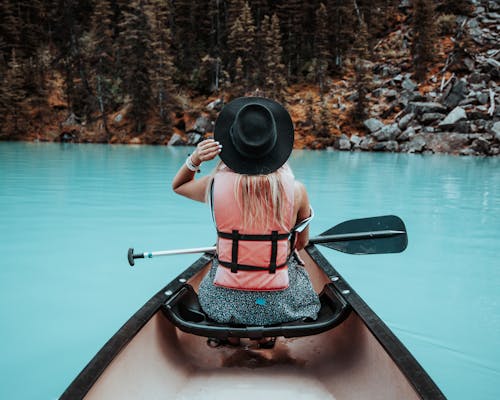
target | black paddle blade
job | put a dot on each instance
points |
(376, 235)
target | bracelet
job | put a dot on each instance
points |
(191, 166)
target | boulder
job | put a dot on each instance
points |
(367, 143)
(428, 118)
(481, 145)
(408, 84)
(201, 125)
(422, 107)
(176, 140)
(446, 142)
(457, 114)
(373, 124)
(355, 141)
(344, 143)
(193, 138)
(388, 132)
(495, 130)
(407, 134)
(417, 144)
(388, 145)
(405, 120)
(456, 94)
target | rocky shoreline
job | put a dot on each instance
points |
(456, 110)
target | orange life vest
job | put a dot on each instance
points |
(256, 257)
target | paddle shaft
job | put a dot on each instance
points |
(341, 237)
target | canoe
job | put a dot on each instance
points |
(162, 351)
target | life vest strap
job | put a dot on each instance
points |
(235, 236)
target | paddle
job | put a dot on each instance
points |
(375, 235)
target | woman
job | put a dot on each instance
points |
(261, 214)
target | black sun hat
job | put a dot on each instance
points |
(256, 135)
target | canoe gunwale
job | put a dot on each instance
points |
(418, 378)
(406, 362)
(82, 384)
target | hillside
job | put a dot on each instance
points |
(453, 108)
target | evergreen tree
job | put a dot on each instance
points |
(362, 72)
(291, 15)
(137, 62)
(273, 67)
(14, 93)
(184, 36)
(102, 58)
(423, 36)
(241, 44)
(458, 7)
(238, 88)
(322, 51)
(342, 20)
(163, 69)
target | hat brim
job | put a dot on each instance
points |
(270, 162)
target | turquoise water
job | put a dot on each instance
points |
(69, 213)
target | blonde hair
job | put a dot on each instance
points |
(261, 197)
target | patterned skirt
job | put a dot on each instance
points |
(233, 306)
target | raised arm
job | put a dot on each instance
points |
(184, 182)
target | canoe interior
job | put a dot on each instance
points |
(348, 362)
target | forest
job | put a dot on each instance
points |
(139, 71)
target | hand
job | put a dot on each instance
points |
(206, 150)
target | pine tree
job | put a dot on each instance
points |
(15, 93)
(362, 71)
(458, 7)
(137, 62)
(275, 77)
(163, 68)
(291, 15)
(241, 44)
(341, 22)
(238, 88)
(102, 58)
(322, 51)
(184, 36)
(423, 36)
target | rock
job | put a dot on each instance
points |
(373, 124)
(175, 140)
(135, 140)
(446, 142)
(215, 105)
(367, 143)
(391, 94)
(428, 118)
(467, 152)
(456, 94)
(419, 107)
(405, 120)
(407, 134)
(417, 144)
(201, 125)
(483, 98)
(495, 130)
(344, 143)
(388, 132)
(389, 145)
(193, 138)
(355, 140)
(118, 118)
(408, 84)
(457, 114)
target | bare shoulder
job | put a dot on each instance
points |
(301, 200)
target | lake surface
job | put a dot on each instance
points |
(70, 212)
